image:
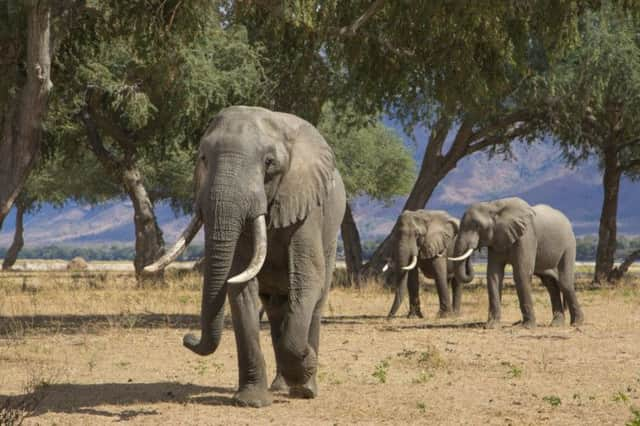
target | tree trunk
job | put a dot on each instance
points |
(618, 273)
(352, 247)
(607, 233)
(22, 115)
(149, 241)
(18, 240)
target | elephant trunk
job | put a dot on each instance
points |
(401, 290)
(464, 271)
(467, 268)
(222, 231)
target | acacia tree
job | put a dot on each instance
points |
(457, 68)
(465, 81)
(594, 104)
(143, 83)
(373, 161)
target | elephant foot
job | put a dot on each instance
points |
(558, 320)
(279, 384)
(528, 324)
(253, 396)
(577, 321)
(297, 370)
(415, 312)
(492, 324)
(307, 391)
(447, 314)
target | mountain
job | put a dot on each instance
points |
(536, 174)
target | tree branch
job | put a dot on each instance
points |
(634, 141)
(107, 158)
(350, 30)
(461, 141)
(504, 122)
(510, 135)
(631, 164)
(122, 137)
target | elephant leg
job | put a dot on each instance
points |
(440, 272)
(556, 301)
(252, 391)
(275, 306)
(522, 274)
(456, 294)
(413, 284)
(495, 276)
(310, 389)
(566, 282)
(297, 358)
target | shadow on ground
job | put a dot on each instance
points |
(86, 398)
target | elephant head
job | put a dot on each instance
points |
(419, 235)
(496, 224)
(255, 168)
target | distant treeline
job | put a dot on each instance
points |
(103, 252)
(586, 250)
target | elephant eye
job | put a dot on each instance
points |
(269, 161)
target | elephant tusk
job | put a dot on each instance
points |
(177, 249)
(442, 254)
(259, 254)
(463, 257)
(385, 268)
(414, 262)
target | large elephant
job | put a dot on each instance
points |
(271, 200)
(533, 240)
(423, 239)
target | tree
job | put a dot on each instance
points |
(594, 104)
(462, 69)
(372, 160)
(467, 81)
(55, 181)
(141, 86)
(25, 30)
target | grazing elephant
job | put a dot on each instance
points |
(271, 200)
(424, 239)
(533, 240)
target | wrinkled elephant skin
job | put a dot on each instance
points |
(422, 241)
(535, 240)
(271, 200)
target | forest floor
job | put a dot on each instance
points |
(80, 350)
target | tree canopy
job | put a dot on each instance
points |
(592, 96)
(372, 158)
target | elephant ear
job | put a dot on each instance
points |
(199, 175)
(309, 178)
(440, 232)
(511, 221)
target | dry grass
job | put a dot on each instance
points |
(106, 351)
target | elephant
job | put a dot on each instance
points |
(271, 201)
(423, 240)
(533, 240)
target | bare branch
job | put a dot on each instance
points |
(438, 136)
(510, 135)
(106, 157)
(503, 123)
(350, 31)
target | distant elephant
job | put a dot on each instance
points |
(534, 240)
(272, 201)
(423, 240)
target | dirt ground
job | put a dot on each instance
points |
(81, 351)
